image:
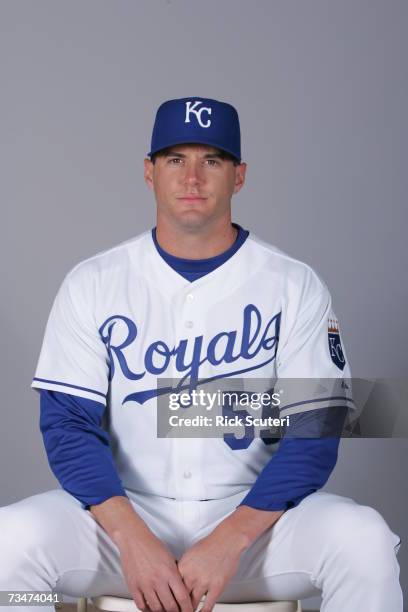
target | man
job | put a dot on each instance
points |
(171, 520)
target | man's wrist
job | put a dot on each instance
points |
(119, 519)
(246, 524)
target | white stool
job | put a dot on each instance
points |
(121, 604)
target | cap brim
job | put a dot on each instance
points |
(194, 141)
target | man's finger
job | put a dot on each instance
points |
(152, 601)
(139, 599)
(197, 595)
(167, 599)
(211, 599)
(181, 595)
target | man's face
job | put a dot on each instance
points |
(193, 185)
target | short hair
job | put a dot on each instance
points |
(223, 154)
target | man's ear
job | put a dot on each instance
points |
(148, 172)
(240, 173)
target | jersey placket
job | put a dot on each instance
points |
(187, 452)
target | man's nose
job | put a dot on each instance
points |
(192, 173)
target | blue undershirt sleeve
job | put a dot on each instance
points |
(78, 448)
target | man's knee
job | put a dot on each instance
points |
(28, 527)
(364, 541)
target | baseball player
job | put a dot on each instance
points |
(173, 520)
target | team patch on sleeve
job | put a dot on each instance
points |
(335, 348)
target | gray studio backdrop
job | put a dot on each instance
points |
(321, 88)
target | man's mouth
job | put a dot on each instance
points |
(192, 198)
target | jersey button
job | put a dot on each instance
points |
(189, 324)
(187, 474)
(190, 297)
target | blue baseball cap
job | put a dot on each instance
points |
(197, 121)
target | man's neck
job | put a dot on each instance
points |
(193, 244)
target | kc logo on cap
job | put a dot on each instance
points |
(197, 120)
(191, 107)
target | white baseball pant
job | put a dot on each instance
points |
(328, 545)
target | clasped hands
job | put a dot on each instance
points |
(158, 582)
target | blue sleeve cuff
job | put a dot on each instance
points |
(299, 467)
(101, 499)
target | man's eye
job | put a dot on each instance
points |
(212, 162)
(174, 160)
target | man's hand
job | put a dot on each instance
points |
(150, 570)
(208, 566)
(152, 576)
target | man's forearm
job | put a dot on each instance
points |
(120, 521)
(248, 524)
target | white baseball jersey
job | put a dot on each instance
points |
(124, 317)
